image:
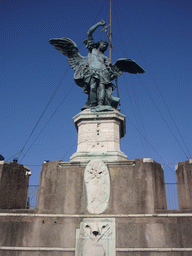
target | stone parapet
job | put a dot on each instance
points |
(184, 184)
(135, 187)
(14, 180)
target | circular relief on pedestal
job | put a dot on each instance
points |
(97, 183)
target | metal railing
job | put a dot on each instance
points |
(171, 194)
(32, 197)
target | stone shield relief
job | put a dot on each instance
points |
(96, 237)
(97, 183)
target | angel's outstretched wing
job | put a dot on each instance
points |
(127, 65)
(78, 63)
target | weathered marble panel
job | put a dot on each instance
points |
(96, 237)
(97, 183)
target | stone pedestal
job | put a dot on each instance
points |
(14, 180)
(99, 136)
(184, 184)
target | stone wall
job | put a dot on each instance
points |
(30, 234)
(136, 203)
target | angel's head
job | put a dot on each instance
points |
(102, 45)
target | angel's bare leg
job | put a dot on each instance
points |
(93, 92)
(101, 94)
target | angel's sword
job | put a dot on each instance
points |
(105, 29)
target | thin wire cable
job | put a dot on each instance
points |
(150, 144)
(104, 2)
(158, 91)
(135, 116)
(13, 156)
(170, 163)
(172, 172)
(162, 116)
(75, 143)
(119, 29)
(129, 120)
(139, 119)
(51, 115)
(48, 105)
(142, 127)
(160, 94)
(47, 122)
(33, 164)
(69, 149)
(44, 110)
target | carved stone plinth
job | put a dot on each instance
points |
(99, 136)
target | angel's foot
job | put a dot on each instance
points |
(102, 108)
(93, 109)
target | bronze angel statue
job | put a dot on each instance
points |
(95, 72)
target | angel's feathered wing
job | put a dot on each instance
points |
(127, 65)
(78, 63)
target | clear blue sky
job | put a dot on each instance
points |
(156, 34)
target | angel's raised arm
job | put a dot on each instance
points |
(93, 28)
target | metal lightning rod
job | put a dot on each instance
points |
(110, 36)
